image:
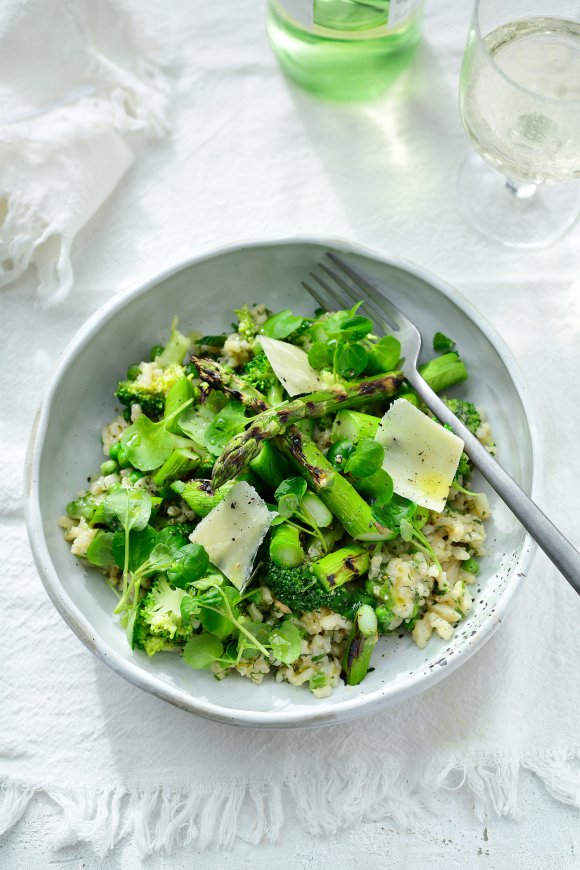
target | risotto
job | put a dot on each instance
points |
(273, 500)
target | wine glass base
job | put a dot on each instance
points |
(523, 217)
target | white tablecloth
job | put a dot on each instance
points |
(253, 157)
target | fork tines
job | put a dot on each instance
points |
(345, 288)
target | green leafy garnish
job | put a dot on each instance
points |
(216, 620)
(348, 325)
(140, 545)
(384, 355)
(147, 444)
(401, 515)
(100, 550)
(282, 325)
(189, 564)
(289, 495)
(350, 360)
(441, 343)
(202, 650)
(366, 459)
(319, 355)
(223, 603)
(226, 423)
(285, 642)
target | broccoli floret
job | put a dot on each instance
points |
(258, 373)
(470, 417)
(466, 412)
(464, 467)
(130, 393)
(160, 615)
(246, 326)
(299, 589)
(154, 645)
(149, 388)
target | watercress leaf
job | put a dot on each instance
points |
(282, 325)
(383, 488)
(140, 546)
(289, 495)
(190, 563)
(230, 653)
(406, 529)
(355, 326)
(384, 355)
(190, 608)
(216, 623)
(194, 422)
(147, 444)
(130, 507)
(319, 355)
(366, 459)
(172, 538)
(160, 559)
(226, 423)
(260, 631)
(233, 595)
(398, 510)
(441, 343)
(285, 642)
(208, 581)
(214, 614)
(130, 627)
(348, 325)
(202, 650)
(100, 550)
(212, 597)
(351, 360)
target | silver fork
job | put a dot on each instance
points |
(343, 286)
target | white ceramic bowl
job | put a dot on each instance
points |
(65, 448)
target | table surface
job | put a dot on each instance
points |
(253, 157)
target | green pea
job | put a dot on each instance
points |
(133, 372)
(109, 467)
(134, 476)
(339, 453)
(114, 450)
(471, 566)
(81, 507)
(122, 457)
(156, 351)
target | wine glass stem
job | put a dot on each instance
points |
(520, 189)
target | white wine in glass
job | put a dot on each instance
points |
(520, 105)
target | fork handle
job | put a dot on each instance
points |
(558, 548)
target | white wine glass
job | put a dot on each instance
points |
(519, 98)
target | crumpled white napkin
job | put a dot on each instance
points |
(80, 85)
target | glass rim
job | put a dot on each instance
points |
(476, 28)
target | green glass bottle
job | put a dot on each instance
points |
(344, 49)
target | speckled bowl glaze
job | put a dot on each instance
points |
(64, 449)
